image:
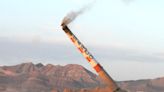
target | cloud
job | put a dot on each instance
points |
(14, 52)
(121, 54)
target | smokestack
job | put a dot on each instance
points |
(89, 57)
(97, 67)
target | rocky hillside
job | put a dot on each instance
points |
(154, 85)
(149, 85)
(29, 77)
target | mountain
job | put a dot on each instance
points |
(29, 77)
(149, 85)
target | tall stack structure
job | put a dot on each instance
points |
(89, 57)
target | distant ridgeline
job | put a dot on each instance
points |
(29, 77)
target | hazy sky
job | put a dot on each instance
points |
(126, 36)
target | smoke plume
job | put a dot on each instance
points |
(71, 16)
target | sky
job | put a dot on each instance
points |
(125, 36)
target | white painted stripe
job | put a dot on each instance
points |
(85, 55)
(93, 63)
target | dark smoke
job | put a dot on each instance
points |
(71, 16)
